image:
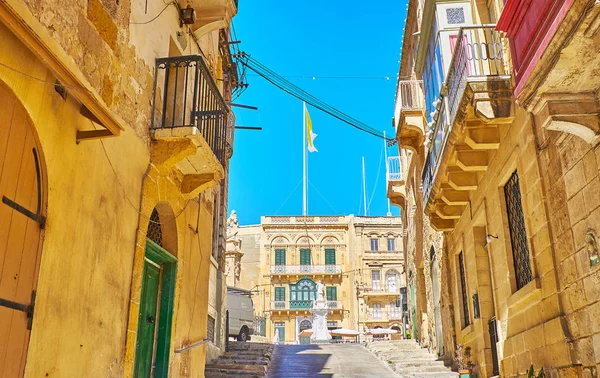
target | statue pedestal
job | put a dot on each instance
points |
(319, 312)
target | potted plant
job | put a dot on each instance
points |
(531, 373)
(463, 360)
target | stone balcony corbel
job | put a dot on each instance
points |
(396, 192)
(211, 14)
(573, 113)
(184, 151)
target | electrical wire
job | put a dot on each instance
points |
(386, 78)
(155, 17)
(56, 82)
(301, 94)
(322, 196)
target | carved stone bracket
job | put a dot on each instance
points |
(573, 113)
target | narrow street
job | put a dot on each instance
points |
(327, 360)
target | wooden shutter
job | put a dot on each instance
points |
(305, 256)
(280, 293)
(330, 256)
(331, 293)
(280, 257)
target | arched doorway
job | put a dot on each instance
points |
(157, 296)
(437, 311)
(304, 324)
(21, 228)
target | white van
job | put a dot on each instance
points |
(241, 313)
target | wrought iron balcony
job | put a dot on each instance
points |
(478, 76)
(394, 169)
(186, 96)
(303, 305)
(306, 269)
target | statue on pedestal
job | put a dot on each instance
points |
(320, 290)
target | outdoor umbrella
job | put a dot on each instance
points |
(344, 332)
(381, 331)
(306, 333)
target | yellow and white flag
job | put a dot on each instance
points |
(310, 136)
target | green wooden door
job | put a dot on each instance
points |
(156, 313)
(147, 320)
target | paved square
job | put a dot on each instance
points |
(328, 360)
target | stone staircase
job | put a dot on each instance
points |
(408, 359)
(242, 360)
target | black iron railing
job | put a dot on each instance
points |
(186, 95)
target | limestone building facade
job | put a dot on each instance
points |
(496, 121)
(114, 183)
(285, 256)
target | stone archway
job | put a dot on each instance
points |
(22, 190)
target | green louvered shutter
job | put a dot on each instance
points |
(280, 257)
(280, 293)
(305, 256)
(331, 293)
(329, 256)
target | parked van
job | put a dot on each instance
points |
(241, 313)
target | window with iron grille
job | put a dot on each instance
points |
(154, 231)
(518, 234)
(463, 289)
(210, 329)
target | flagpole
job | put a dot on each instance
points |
(304, 166)
(364, 186)
(387, 171)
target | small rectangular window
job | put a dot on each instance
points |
(210, 329)
(305, 256)
(280, 294)
(280, 257)
(391, 245)
(374, 245)
(331, 293)
(463, 288)
(329, 256)
(376, 279)
(518, 234)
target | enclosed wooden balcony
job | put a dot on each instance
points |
(191, 123)
(409, 118)
(475, 100)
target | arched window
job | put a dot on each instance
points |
(154, 231)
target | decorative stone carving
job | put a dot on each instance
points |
(232, 225)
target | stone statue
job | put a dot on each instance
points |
(320, 289)
(276, 337)
(232, 225)
(238, 269)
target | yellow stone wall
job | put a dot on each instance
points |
(100, 194)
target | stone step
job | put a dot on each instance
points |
(223, 373)
(256, 369)
(448, 374)
(419, 369)
(242, 361)
(399, 361)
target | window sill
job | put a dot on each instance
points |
(467, 330)
(525, 297)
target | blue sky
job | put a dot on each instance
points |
(315, 38)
